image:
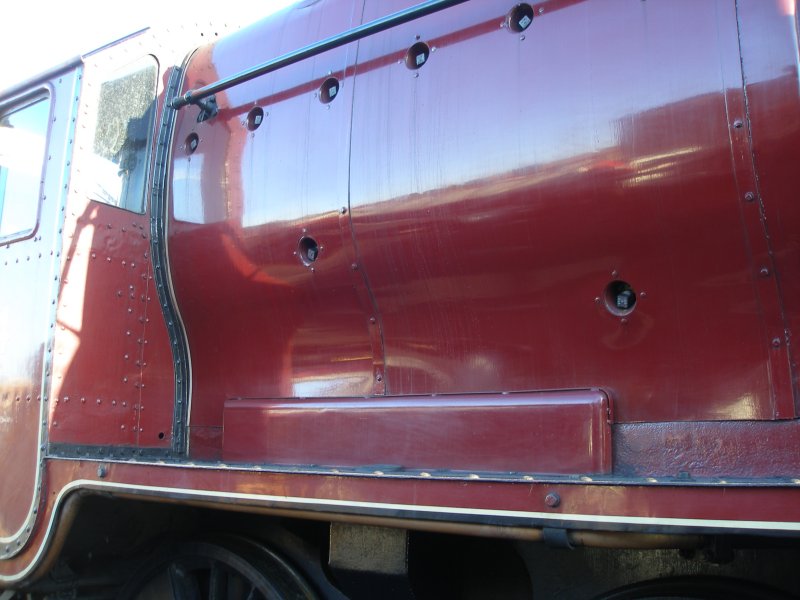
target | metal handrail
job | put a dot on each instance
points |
(341, 39)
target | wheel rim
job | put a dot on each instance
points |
(219, 569)
(694, 588)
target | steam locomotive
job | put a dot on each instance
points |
(407, 299)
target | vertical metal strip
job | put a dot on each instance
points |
(159, 216)
(751, 207)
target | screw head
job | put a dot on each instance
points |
(552, 500)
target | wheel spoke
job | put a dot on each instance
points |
(233, 568)
(184, 585)
(253, 593)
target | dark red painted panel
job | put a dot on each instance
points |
(113, 374)
(28, 283)
(770, 64)
(741, 449)
(259, 322)
(548, 432)
(498, 190)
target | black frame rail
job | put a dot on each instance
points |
(367, 29)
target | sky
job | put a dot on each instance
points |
(38, 34)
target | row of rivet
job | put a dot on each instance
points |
(517, 20)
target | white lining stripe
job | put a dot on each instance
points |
(158, 491)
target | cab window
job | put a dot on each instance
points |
(23, 139)
(123, 133)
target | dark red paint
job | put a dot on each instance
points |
(555, 432)
(469, 217)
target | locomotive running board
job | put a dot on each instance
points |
(563, 432)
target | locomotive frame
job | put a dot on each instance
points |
(361, 323)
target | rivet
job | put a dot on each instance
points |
(776, 342)
(738, 124)
(372, 320)
(354, 267)
(101, 471)
(552, 500)
(343, 210)
(764, 272)
(749, 197)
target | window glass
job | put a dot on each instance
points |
(23, 137)
(123, 132)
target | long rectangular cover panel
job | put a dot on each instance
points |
(564, 432)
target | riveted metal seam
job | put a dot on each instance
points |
(12, 545)
(159, 219)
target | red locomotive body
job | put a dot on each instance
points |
(388, 298)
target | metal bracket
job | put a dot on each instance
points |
(208, 108)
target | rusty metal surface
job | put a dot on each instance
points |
(703, 509)
(555, 432)
(742, 449)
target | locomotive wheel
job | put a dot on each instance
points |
(219, 568)
(694, 588)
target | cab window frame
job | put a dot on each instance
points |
(9, 106)
(107, 75)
